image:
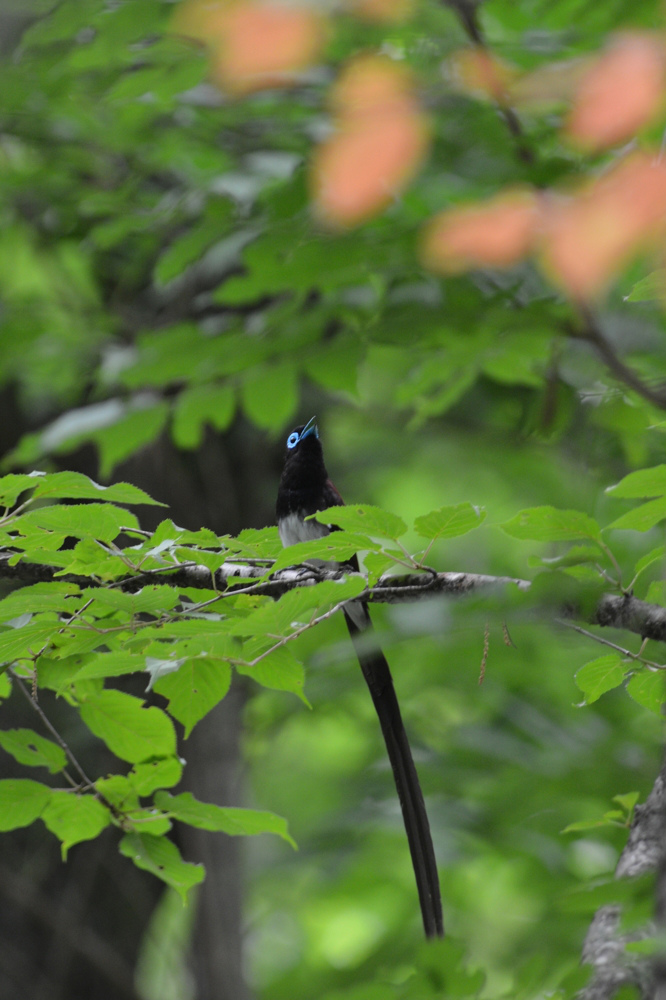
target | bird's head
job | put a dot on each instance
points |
(304, 440)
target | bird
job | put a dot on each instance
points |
(305, 489)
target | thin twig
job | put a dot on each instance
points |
(593, 334)
(51, 728)
(606, 642)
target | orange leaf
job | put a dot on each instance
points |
(621, 92)
(587, 239)
(254, 44)
(371, 85)
(358, 172)
(495, 233)
(380, 142)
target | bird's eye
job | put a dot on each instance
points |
(292, 440)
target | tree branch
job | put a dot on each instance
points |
(593, 334)
(611, 610)
(604, 948)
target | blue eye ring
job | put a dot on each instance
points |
(293, 440)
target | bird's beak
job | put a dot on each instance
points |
(310, 428)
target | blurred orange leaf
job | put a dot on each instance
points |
(495, 233)
(380, 141)
(620, 93)
(253, 44)
(588, 238)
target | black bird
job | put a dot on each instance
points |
(305, 489)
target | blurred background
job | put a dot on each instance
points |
(217, 221)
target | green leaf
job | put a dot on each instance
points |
(152, 774)
(5, 685)
(109, 663)
(198, 406)
(640, 484)
(627, 801)
(647, 688)
(270, 395)
(652, 286)
(22, 801)
(27, 747)
(448, 522)
(161, 857)
(656, 555)
(13, 485)
(335, 365)
(278, 669)
(26, 642)
(76, 486)
(365, 519)
(40, 597)
(601, 675)
(95, 520)
(195, 688)
(151, 599)
(577, 555)
(236, 822)
(641, 518)
(336, 547)
(548, 524)
(132, 732)
(297, 606)
(73, 818)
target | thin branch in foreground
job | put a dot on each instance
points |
(593, 334)
(52, 730)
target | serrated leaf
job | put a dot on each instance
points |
(297, 606)
(548, 524)
(153, 774)
(109, 663)
(73, 818)
(601, 675)
(652, 286)
(132, 732)
(13, 485)
(195, 688)
(641, 518)
(336, 547)
(364, 519)
(18, 643)
(450, 521)
(150, 599)
(76, 486)
(279, 670)
(91, 520)
(40, 597)
(27, 747)
(647, 688)
(641, 484)
(235, 822)
(22, 801)
(161, 857)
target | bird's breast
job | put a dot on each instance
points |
(293, 528)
